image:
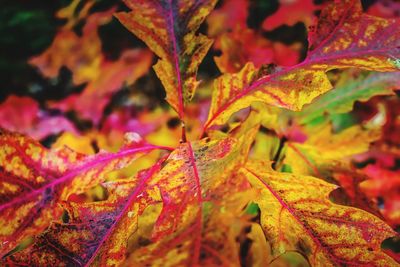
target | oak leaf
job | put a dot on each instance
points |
(188, 176)
(344, 37)
(34, 180)
(296, 214)
(169, 30)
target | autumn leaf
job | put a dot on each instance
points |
(384, 184)
(169, 29)
(34, 180)
(84, 57)
(110, 77)
(230, 16)
(245, 45)
(191, 172)
(291, 12)
(22, 114)
(239, 44)
(324, 148)
(296, 214)
(226, 221)
(384, 9)
(296, 165)
(94, 232)
(72, 14)
(107, 225)
(81, 54)
(343, 38)
(342, 98)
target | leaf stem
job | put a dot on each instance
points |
(282, 143)
(183, 138)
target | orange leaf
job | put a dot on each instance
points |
(169, 29)
(34, 180)
(188, 175)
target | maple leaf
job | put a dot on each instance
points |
(296, 214)
(343, 38)
(34, 180)
(290, 12)
(169, 30)
(22, 114)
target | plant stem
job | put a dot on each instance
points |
(183, 138)
(282, 142)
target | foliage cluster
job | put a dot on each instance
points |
(290, 157)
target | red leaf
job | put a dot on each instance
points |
(22, 114)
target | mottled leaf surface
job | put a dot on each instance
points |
(34, 180)
(296, 214)
(344, 37)
(98, 232)
(169, 28)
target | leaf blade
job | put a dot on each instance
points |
(308, 78)
(169, 29)
(296, 217)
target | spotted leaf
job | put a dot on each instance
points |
(344, 37)
(169, 28)
(34, 180)
(97, 233)
(296, 214)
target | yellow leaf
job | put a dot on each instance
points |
(323, 147)
(297, 215)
